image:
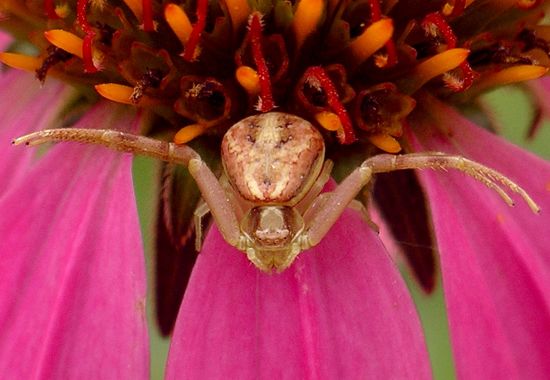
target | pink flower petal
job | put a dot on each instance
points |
(72, 295)
(35, 109)
(495, 262)
(340, 311)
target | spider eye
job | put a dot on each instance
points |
(272, 228)
(272, 233)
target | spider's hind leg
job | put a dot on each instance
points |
(198, 217)
(358, 206)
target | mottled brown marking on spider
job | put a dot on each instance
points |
(272, 158)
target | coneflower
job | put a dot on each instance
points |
(372, 77)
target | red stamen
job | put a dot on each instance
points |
(49, 7)
(444, 29)
(89, 35)
(81, 8)
(375, 12)
(458, 8)
(436, 19)
(375, 15)
(391, 51)
(148, 24)
(193, 42)
(468, 76)
(317, 72)
(266, 96)
(87, 55)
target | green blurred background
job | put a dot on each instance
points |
(512, 114)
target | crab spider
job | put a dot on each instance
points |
(268, 203)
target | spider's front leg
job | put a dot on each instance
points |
(212, 192)
(329, 208)
(494, 180)
(115, 140)
(223, 211)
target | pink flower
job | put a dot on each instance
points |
(73, 278)
(494, 259)
(341, 310)
(72, 295)
(495, 271)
